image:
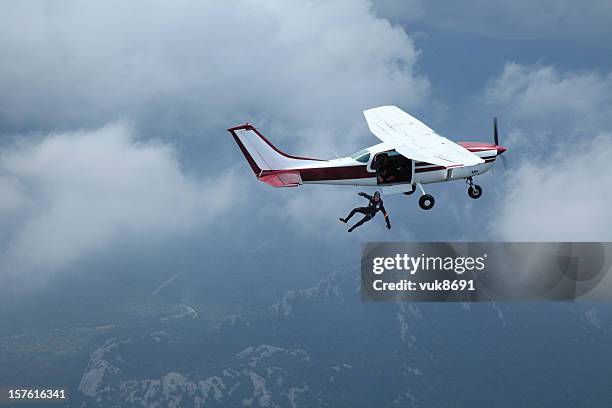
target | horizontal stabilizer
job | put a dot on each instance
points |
(282, 178)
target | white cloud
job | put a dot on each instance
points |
(545, 96)
(558, 185)
(566, 197)
(72, 194)
(298, 67)
(300, 70)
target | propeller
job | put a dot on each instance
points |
(495, 135)
(496, 140)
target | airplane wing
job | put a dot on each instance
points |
(415, 140)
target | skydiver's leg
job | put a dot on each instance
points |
(355, 210)
(360, 222)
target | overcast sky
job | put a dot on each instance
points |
(113, 118)
(586, 21)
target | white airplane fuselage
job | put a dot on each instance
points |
(274, 167)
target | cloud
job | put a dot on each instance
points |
(302, 69)
(558, 184)
(544, 96)
(564, 19)
(180, 73)
(70, 195)
(566, 197)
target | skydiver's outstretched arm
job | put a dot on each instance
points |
(382, 209)
(369, 197)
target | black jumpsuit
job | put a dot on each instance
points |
(369, 211)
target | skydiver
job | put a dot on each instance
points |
(370, 211)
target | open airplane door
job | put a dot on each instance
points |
(393, 168)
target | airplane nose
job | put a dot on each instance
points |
(500, 149)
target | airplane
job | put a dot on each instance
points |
(409, 156)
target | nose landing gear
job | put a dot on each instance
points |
(474, 190)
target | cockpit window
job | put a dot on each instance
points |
(359, 153)
(361, 156)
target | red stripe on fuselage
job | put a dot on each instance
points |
(359, 172)
(334, 173)
(345, 173)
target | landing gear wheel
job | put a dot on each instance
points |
(475, 191)
(413, 190)
(426, 202)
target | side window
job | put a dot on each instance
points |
(363, 158)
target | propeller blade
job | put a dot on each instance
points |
(495, 135)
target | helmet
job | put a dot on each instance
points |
(376, 193)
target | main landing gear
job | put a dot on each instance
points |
(474, 190)
(426, 201)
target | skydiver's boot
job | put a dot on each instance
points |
(345, 220)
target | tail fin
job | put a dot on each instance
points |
(263, 156)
